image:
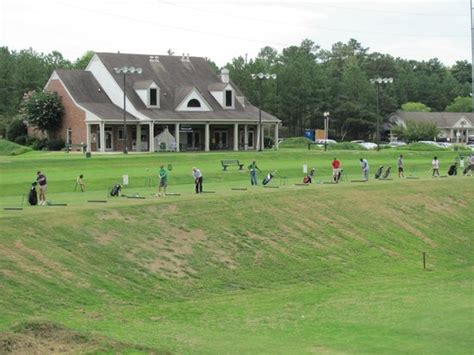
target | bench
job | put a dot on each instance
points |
(226, 163)
(69, 147)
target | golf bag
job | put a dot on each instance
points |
(378, 173)
(338, 176)
(467, 169)
(32, 195)
(308, 179)
(115, 192)
(453, 170)
(268, 178)
(387, 173)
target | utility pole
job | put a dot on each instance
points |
(472, 56)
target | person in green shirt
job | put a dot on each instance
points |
(253, 173)
(163, 175)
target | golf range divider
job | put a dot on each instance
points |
(239, 189)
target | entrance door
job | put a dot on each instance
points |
(220, 139)
(193, 140)
(250, 133)
(109, 140)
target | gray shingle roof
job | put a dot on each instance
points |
(442, 119)
(88, 93)
(174, 77)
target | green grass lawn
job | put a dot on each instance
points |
(319, 269)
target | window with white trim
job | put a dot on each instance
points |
(228, 98)
(120, 133)
(194, 103)
(153, 96)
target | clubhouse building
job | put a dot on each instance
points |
(175, 103)
(455, 127)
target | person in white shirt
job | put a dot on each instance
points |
(197, 175)
(435, 166)
(364, 164)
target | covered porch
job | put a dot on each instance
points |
(196, 136)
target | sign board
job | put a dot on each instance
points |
(320, 134)
(125, 180)
(305, 169)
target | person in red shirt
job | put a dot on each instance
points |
(336, 170)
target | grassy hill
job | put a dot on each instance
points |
(324, 268)
(10, 148)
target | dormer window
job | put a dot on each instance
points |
(153, 97)
(194, 103)
(148, 92)
(228, 98)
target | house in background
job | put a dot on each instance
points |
(181, 96)
(454, 126)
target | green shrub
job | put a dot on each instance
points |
(268, 142)
(22, 140)
(15, 129)
(55, 144)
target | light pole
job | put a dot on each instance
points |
(377, 82)
(326, 129)
(261, 77)
(126, 71)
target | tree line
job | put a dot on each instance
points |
(310, 80)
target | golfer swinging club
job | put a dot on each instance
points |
(197, 175)
(364, 164)
(163, 175)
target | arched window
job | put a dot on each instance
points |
(194, 103)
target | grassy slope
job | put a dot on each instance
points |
(10, 148)
(320, 268)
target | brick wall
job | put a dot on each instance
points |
(74, 117)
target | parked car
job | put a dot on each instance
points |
(368, 145)
(323, 141)
(396, 144)
(357, 141)
(444, 144)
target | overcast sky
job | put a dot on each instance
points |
(224, 29)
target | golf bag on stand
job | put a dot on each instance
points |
(32, 195)
(453, 169)
(116, 190)
(387, 173)
(268, 178)
(378, 173)
(308, 179)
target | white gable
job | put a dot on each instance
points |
(463, 123)
(113, 90)
(194, 95)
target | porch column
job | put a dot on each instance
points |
(206, 137)
(176, 130)
(467, 135)
(276, 136)
(246, 137)
(458, 135)
(88, 137)
(138, 140)
(236, 137)
(102, 136)
(151, 137)
(257, 147)
(452, 134)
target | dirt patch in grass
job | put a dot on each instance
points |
(104, 238)
(49, 338)
(172, 252)
(48, 263)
